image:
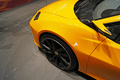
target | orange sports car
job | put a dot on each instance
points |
(82, 34)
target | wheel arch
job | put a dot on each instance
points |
(61, 38)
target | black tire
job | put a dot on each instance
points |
(58, 52)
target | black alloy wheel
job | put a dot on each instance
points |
(58, 52)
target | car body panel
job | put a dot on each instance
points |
(81, 34)
(64, 8)
(105, 61)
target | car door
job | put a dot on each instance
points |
(104, 62)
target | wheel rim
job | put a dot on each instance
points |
(56, 53)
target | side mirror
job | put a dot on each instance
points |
(100, 23)
(102, 27)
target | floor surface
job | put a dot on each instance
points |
(20, 58)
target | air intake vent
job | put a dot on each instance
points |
(37, 16)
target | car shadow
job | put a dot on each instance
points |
(84, 75)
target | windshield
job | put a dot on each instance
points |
(88, 10)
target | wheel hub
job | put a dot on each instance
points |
(56, 53)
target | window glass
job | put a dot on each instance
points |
(88, 10)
